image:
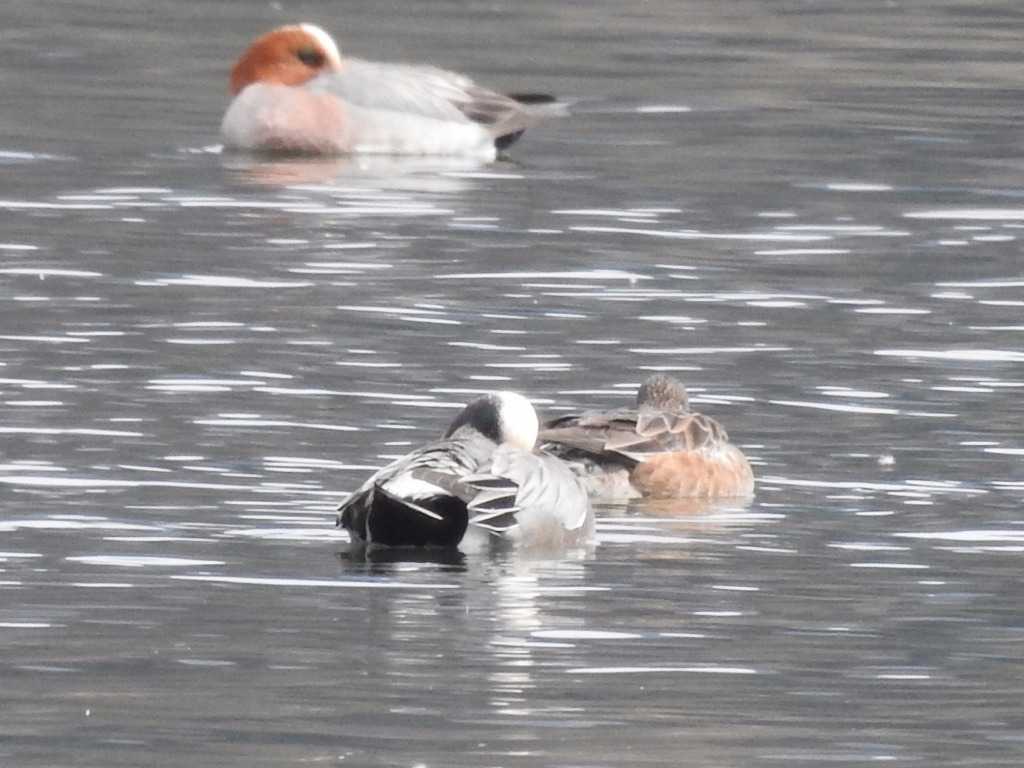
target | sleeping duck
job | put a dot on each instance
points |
(482, 474)
(659, 448)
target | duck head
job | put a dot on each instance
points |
(504, 417)
(659, 399)
(663, 393)
(290, 55)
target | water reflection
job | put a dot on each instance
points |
(426, 175)
(382, 561)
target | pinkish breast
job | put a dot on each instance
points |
(280, 118)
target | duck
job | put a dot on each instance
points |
(482, 475)
(659, 448)
(293, 92)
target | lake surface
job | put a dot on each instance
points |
(811, 212)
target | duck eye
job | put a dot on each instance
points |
(311, 57)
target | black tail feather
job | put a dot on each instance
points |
(506, 141)
(394, 523)
(532, 98)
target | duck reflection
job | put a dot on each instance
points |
(408, 174)
(382, 561)
(700, 512)
(480, 636)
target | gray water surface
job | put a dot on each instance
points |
(810, 212)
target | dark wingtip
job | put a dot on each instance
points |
(532, 98)
(506, 141)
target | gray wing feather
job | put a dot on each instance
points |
(494, 503)
(425, 91)
(547, 489)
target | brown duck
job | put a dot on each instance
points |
(660, 448)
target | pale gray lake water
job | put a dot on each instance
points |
(811, 212)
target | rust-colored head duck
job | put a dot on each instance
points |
(289, 55)
(292, 93)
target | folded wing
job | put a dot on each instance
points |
(428, 92)
(636, 434)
